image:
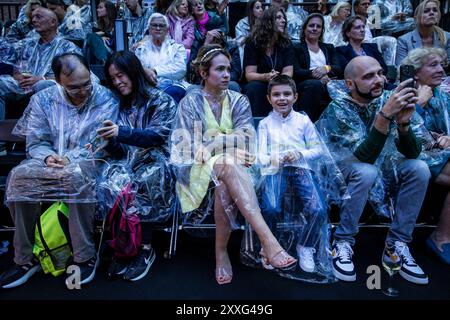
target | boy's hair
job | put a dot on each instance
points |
(281, 80)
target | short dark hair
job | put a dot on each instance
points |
(279, 80)
(61, 64)
(128, 63)
(348, 24)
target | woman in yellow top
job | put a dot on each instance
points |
(211, 145)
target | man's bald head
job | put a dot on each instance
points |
(44, 19)
(357, 65)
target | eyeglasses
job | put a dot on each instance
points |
(158, 26)
(76, 90)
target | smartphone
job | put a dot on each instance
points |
(407, 72)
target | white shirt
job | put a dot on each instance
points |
(278, 135)
(316, 59)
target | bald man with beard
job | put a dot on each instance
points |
(368, 133)
(32, 65)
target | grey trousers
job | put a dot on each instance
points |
(413, 175)
(81, 229)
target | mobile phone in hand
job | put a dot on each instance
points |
(407, 72)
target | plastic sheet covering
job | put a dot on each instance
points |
(431, 122)
(333, 32)
(295, 196)
(295, 17)
(388, 47)
(343, 126)
(20, 28)
(147, 170)
(445, 85)
(337, 88)
(137, 26)
(233, 139)
(388, 8)
(52, 125)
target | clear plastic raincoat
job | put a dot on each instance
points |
(433, 121)
(295, 195)
(52, 125)
(388, 8)
(143, 160)
(344, 125)
(232, 139)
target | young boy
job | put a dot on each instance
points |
(288, 146)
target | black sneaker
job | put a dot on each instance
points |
(87, 270)
(140, 265)
(343, 267)
(118, 267)
(17, 275)
(410, 270)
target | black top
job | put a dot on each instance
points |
(303, 62)
(281, 57)
(346, 53)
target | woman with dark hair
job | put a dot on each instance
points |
(99, 43)
(316, 63)
(245, 26)
(138, 141)
(218, 160)
(268, 52)
(353, 32)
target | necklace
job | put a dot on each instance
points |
(273, 63)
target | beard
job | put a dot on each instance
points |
(367, 95)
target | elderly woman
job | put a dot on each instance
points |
(333, 23)
(163, 59)
(316, 63)
(207, 21)
(268, 52)
(138, 141)
(434, 108)
(210, 147)
(426, 34)
(181, 23)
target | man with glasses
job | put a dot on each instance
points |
(59, 124)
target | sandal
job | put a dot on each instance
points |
(223, 275)
(264, 261)
(282, 260)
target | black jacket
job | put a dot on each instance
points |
(302, 61)
(346, 53)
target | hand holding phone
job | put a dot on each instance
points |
(407, 72)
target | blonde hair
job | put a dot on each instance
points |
(418, 57)
(418, 13)
(340, 5)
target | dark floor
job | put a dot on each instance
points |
(190, 276)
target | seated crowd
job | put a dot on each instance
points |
(171, 127)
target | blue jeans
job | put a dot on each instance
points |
(413, 175)
(175, 91)
(304, 188)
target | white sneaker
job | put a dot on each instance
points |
(410, 270)
(343, 267)
(306, 258)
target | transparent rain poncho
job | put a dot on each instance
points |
(52, 125)
(145, 170)
(388, 8)
(232, 139)
(20, 28)
(388, 47)
(295, 16)
(33, 58)
(343, 126)
(333, 32)
(431, 122)
(295, 196)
